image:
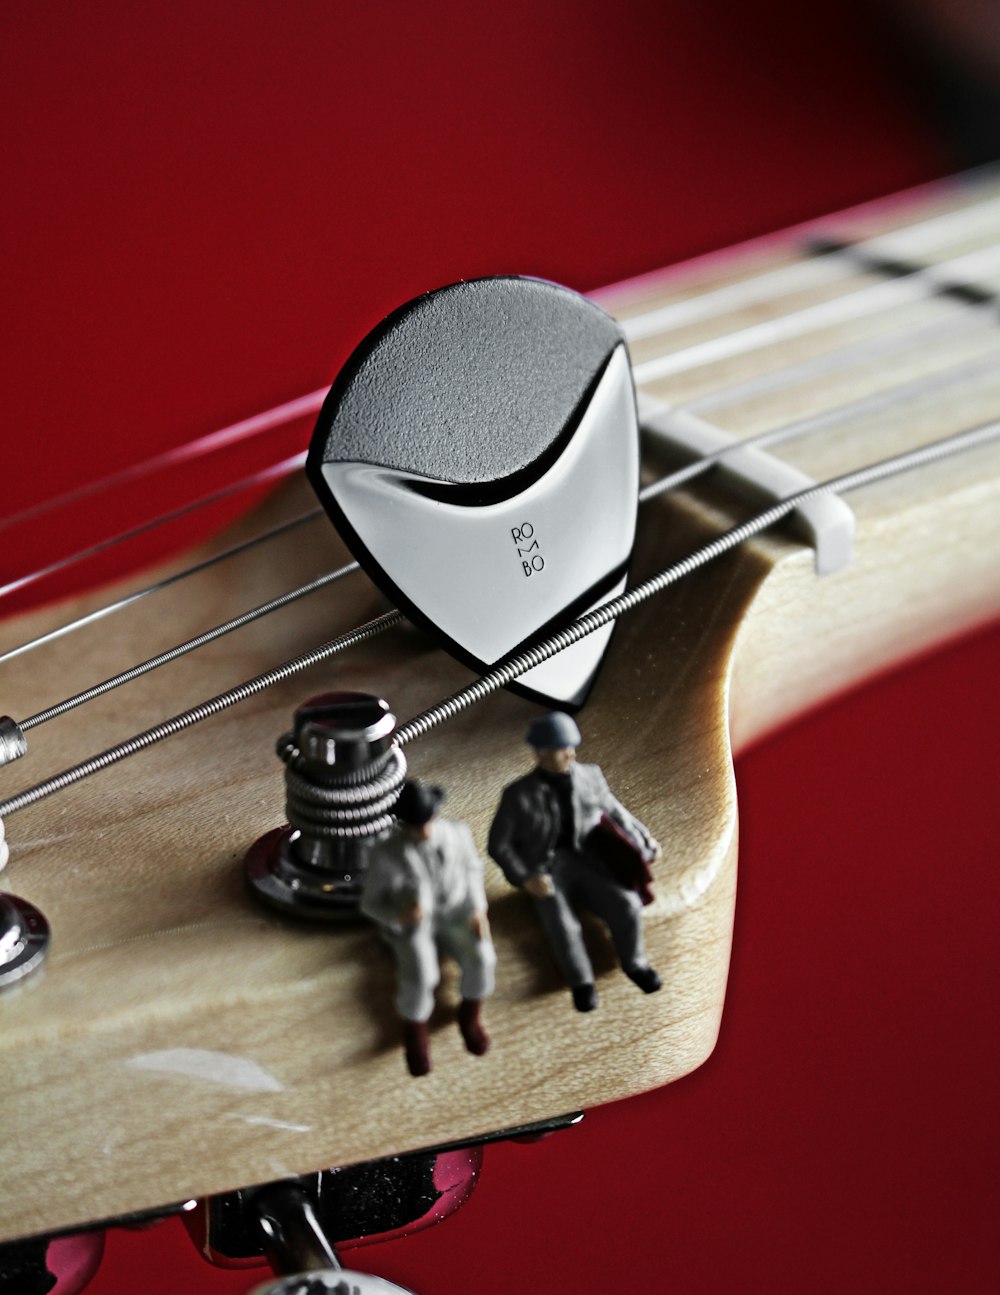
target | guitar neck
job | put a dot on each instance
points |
(847, 340)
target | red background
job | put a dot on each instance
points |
(207, 206)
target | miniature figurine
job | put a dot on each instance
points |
(424, 887)
(561, 835)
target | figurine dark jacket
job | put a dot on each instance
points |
(524, 832)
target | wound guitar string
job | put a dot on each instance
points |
(885, 254)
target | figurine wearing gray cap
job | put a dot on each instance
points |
(561, 836)
(424, 887)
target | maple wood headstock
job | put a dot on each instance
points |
(183, 1041)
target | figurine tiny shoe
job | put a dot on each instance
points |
(584, 997)
(477, 1041)
(418, 1059)
(645, 977)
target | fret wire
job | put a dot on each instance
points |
(801, 274)
(926, 384)
(981, 318)
(932, 233)
(244, 430)
(921, 237)
(255, 479)
(516, 664)
(137, 595)
(839, 310)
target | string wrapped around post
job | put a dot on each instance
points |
(342, 778)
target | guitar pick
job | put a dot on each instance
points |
(479, 454)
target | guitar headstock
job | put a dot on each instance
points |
(183, 1041)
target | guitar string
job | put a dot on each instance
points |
(930, 281)
(871, 351)
(911, 282)
(970, 293)
(952, 324)
(190, 645)
(866, 405)
(235, 433)
(928, 234)
(519, 663)
(872, 252)
(809, 425)
(801, 427)
(177, 723)
(119, 604)
(513, 666)
(259, 478)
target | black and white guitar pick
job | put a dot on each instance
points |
(479, 454)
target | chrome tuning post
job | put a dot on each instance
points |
(342, 778)
(24, 932)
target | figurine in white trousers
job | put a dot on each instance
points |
(424, 887)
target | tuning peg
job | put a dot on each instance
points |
(342, 777)
(330, 1281)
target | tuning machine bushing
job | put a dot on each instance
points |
(342, 778)
(24, 932)
(24, 939)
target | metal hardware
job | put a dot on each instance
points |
(24, 938)
(295, 1223)
(13, 743)
(374, 1198)
(324, 1209)
(342, 778)
(244, 1227)
(294, 1237)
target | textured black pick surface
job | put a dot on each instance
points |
(468, 398)
(468, 384)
